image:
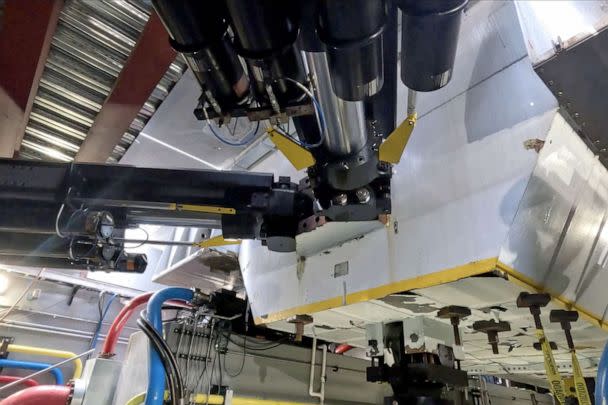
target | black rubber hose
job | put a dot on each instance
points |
(176, 386)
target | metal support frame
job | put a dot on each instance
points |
(311, 391)
(47, 195)
(414, 361)
(146, 65)
(25, 39)
(575, 75)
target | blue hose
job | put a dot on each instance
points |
(601, 381)
(156, 370)
(29, 365)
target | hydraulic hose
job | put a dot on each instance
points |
(42, 394)
(341, 349)
(156, 371)
(174, 378)
(40, 351)
(601, 381)
(29, 365)
(5, 379)
(109, 345)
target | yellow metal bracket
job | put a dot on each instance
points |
(299, 156)
(217, 241)
(555, 380)
(393, 146)
(210, 209)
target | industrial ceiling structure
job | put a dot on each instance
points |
(287, 203)
(92, 43)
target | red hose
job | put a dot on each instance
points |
(123, 317)
(5, 379)
(42, 394)
(120, 321)
(341, 349)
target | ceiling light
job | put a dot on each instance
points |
(3, 283)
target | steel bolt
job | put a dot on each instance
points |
(341, 199)
(363, 195)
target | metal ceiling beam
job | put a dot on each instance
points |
(26, 31)
(146, 65)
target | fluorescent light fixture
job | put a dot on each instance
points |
(4, 282)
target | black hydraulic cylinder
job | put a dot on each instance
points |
(198, 30)
(126, 263)
(352, 32)
(429, 38)
(265, 35)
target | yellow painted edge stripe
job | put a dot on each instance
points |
(531, 285)
(210, 209)
(428, 280)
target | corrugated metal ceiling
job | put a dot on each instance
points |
(92, 42)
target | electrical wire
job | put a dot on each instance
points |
(263, 348)
(288, 130)
(172, 371)
(141, 243)
(242, 366)
(246, 140)
(320, 115)
(200, 379)
(102, 316)
(57, 231)
(60, 212)
(6, 312)
(211, 377)
(297, 141)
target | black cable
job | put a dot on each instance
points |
(219, 364)
(176, 383)
(200, 377)
(270, 346)
(242, 361)
(141, 243)
(165, 348)
(166, 362)
(223, 350)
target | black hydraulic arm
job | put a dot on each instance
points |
(40, 202)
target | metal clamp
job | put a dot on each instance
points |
(6, 340)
